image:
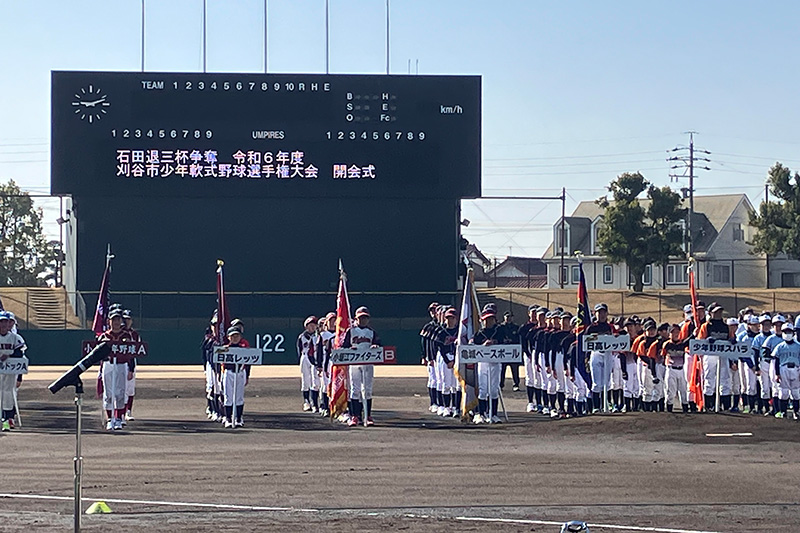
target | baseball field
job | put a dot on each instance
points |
(174, 470)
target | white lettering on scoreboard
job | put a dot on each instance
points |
(14, 365)
(606, 343)
(358, 356)
(235, 355)
(496, 353)
(722, 348)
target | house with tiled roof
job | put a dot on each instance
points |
(721, 235)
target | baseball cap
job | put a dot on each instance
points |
(778, 318)
(116, 312)
(664, 326)
(574, 320)
(451, 312)
(488, 310)
(732, 321)
(433, 305)
(701, 304)
(5, 315)
(362, 311)
(533, 307)
(687, 308)
(232, 330)
(753, 319)
(331, 315)
(714, 307)
(601, 307)
(787, 327)
(310, 320)
(126, 313)
(649, 324)
(565, 314)
(765, 318)
(543, 311)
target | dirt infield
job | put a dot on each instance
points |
(412, 471)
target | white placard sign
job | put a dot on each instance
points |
(358, 356)
(594, 342)
(235, 355)
(722, 348)
(14, 365)
(496, 353)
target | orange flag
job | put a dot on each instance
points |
(696, 368)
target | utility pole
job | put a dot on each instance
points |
(684, 158)
(766, 204)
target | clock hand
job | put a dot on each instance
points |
(94, 103)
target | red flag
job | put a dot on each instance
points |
(338, 395)
(696, 368)
(101, 311)
(223, 318)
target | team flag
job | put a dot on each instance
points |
(584, 316)
(101, 311)
(338, 393)
(696, 368)
(223, 318)
(468, 325)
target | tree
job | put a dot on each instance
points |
(637, 236)
(28, 259)
(778, 223)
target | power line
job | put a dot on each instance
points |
(570, 156)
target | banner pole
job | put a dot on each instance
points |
(716, 394)
(16, 403)
(503, 405)
(233, 401)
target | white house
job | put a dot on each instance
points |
(721, 234)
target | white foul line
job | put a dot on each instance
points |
(301, 510)
(602, 526)
(170, 504)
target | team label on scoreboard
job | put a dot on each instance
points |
(237, 355)
(496, 353)
(14, 365)
(606, 343)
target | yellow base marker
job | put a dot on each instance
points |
(98, 508)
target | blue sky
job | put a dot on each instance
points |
(574, 93)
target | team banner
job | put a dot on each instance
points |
(237, 355)
(14, 365)
(722, 348)
(223, 315)
(497, 353)
(101, 311)
(122, 351)
(338, 394)
(606, 343)
(468, 325)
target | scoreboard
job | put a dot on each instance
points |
(265, 135)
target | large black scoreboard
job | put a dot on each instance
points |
(233, 135)
(278, 174)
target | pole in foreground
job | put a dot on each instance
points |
(78, 459)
